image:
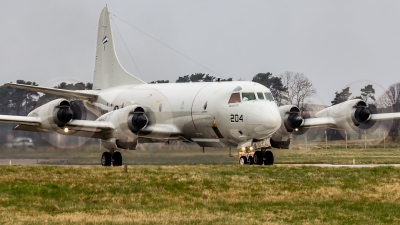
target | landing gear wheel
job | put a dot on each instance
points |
(117, 159)
(258, 158)
(269, 158)
(242, 160)
(251, 160)
(106, 159)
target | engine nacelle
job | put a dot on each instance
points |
(291, 120)
(349, 115)
(57, 113)
(127, 121)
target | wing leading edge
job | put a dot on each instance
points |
(82, 95)
(85, 128)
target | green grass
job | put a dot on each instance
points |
(199, 194)
(339, 156)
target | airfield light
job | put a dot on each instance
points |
(66, 130)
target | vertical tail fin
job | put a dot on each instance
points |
(108, 72)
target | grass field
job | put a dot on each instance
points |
(199, 194)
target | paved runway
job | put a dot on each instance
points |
(20, 161)
(37, 162)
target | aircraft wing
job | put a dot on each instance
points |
(317, 122)
(20, 120)
(385, 116)
(84, 128)
(334, 122)
(347, 115)
(89, 125)
(82, 95)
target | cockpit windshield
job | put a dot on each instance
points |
(268, 96)
(235, 97)
(238, 96)
(248, 96)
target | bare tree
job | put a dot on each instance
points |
(384, 101)
(390, 102)
(300, 89)
(390, 97)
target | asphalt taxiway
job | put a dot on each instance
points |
(39, 161)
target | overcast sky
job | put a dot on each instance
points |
(334, 43)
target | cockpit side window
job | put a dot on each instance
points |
(268, 96)
(235, 97)
(260, 96)
(248, 96)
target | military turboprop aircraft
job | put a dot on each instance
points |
(237, 114)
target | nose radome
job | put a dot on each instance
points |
(266, 116)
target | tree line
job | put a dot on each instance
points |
(20, 102)
(287, 88)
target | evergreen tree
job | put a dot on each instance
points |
(183, 79)
(23, 100)
(368, 93)
(208, 78)
(274, 84)
(229, 79)
(159, 82)
(342, 96)
(197, 77)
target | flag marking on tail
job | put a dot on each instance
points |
(105, 40)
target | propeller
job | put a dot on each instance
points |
(363, 114)
(293, 121)
(64, 115)
(139, 121)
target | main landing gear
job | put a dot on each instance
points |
(263, 156)
(114, 158)
(258, 157)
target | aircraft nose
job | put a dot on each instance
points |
(264, 119)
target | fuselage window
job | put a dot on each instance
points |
(268, 96)
(235, 97)
(248, 96)
(260, 96)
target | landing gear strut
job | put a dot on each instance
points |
(114, 158)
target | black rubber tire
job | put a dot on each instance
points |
(242, 160)
(106, 159)
(258, 158)
(269, 158)
(251, 160)
(117, 159)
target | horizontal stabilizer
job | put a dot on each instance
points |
(82, 95)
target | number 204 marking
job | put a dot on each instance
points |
(235, 118)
